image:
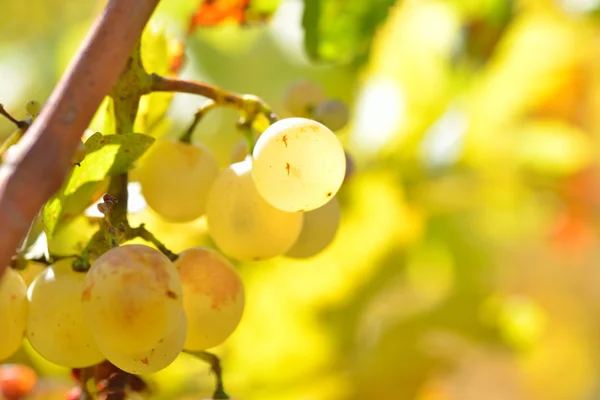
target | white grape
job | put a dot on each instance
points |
(299, 164)
(242, 224)
(13, 312)
(318, 231)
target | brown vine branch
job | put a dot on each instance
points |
(45, 152)
(250, 104)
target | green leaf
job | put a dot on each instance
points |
(106, 156)
(341, 31)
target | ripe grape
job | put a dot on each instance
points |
(13, 312)
(175, 179)
(55, 325)
(332, 113)
(160, 356)
(132, 298)
(319, 229)
(33, 108)
(299, 164)
(302, 97)
(213, 297)
(242, 224)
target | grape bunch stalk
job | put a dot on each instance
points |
(117, 309)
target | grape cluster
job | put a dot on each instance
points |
(139, 309)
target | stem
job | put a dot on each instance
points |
(220, 96)
(206, 107)
(215, 367)
(145, 234)
(19, 124)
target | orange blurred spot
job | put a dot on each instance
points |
(213, 12)
(16, 381)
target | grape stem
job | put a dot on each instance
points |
(24, 124)
(206, 107)
(215, 367)
(248, 104)
(142, 232)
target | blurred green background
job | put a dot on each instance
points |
(467, 263)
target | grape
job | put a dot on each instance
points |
(302, 97)
(319, 229)
(33, 108)
(55, 325)
(213, 297)
(160, 356)
(175, 179)
(132, 298)
(299, 164)
(332, 113)
(13, 312)
(350, 167)
(242, 224)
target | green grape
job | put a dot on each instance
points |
(213, 297)
(332, 113)
(299, 164)
(33, 108)
(318, 230)
(160, 356)
(302, 97)
(132, 298)
(55, 326)
(242, 224)
(175, 179)
(13, 312)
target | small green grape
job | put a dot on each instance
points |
(33, 108)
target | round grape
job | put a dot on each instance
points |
(319, 229)
(332, 113)
(132, 298)
(213, 297)
(55, 325)
(242, 224)
(33, 108)
(160, 356)
(302, 96)
(13, 312)
(299, 164)
(175, 178)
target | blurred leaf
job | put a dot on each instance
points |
(341, 31)
(105, 156)
(215, 12)
(553, 148)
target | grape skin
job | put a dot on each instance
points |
(302, 96)
(132, 298)
(299, 164)
(55, 325)
(176, 177)
(13, 312)
(152, 360)
(332, 113)
(242, 224)
(319, 230)
(213, 297)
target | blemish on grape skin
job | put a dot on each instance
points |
(284, 139)
(171, 294)
(329, 194)
(287, 167)
(145, 361)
